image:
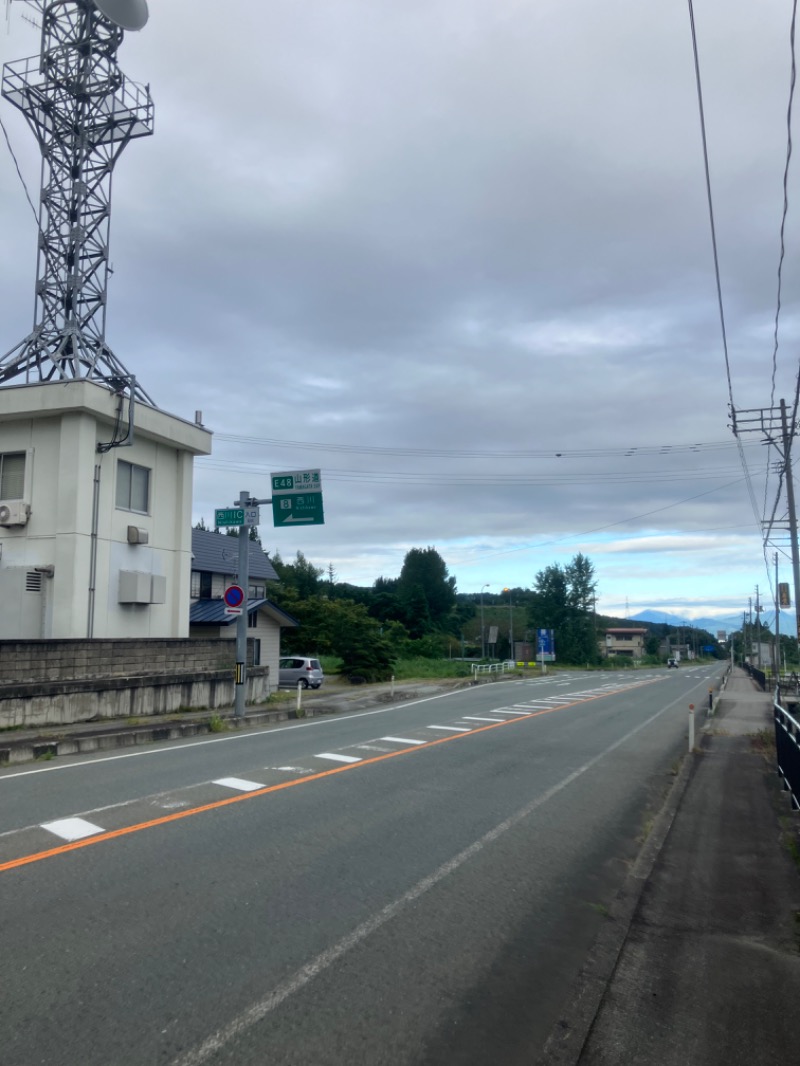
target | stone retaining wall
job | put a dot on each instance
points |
(58, 682)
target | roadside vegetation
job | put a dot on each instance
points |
(418, 625)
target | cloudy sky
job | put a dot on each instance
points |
(456, 254)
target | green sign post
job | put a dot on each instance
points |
(296, 510)
(229, 516)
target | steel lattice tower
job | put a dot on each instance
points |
(83, 112)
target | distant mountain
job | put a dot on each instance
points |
(731, 623)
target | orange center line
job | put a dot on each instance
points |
(176, 816)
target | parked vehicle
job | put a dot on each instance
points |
(300, 669)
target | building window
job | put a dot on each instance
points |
(257, 592)
(252, 620)
(12, 475)
(133, 487)
(253, 652)
(201, 585)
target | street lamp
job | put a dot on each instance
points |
(510, 626)
(483, 641)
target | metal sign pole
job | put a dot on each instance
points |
(241, 622)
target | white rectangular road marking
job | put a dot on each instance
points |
(475, 718)
(238, 783)
(374, 747)
(290, 769)
(507, 710)
(337, 758)
(72, 828)
(403, 740)
(536, 704)
(452, 728)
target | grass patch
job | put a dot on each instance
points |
(600, 908)
(412, 669)
(216, 724)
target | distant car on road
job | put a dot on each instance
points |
(671, 663)
(300, 669)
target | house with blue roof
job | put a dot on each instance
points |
(215, 559)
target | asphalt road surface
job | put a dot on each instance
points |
(413, 884)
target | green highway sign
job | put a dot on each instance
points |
(296, 510)
(297, 481)
(229, 516)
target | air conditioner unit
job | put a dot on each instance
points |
(14, 513)
(137, 535)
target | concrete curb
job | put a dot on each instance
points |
(85, 738)
(566, 1041)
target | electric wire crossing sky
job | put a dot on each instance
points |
(83, 112)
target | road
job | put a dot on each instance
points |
(417, 883)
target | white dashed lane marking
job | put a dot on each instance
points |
(238, 783)
(72, 828)
(403, 740)
(337, 758)
(374, 747)
(507, 710)
(475, 718)
(452, 728)
(290, 769)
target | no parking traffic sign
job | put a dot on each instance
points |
(234, 598)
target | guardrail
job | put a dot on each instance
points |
(787, 746)
(492, 668)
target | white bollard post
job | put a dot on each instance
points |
(299, 695)
(392, 686)
(691, 727)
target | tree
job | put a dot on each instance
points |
(425, 571)
(563, 601)
(202, 525)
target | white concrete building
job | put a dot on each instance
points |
(94, 541)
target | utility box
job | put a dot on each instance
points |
(134, 586)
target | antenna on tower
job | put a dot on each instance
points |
(83, 111)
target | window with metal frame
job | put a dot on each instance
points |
(133, 487)
(12, 475)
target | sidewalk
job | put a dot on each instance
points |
(709, 969)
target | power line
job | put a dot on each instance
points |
(19, 172)
(709, 196)
(628, 451)
(792, 80)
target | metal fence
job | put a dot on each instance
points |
(492, 668)
(787, 745)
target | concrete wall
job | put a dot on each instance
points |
(64, 681)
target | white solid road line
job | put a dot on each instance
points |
(337, 758)
(404, 740)
(238, 783)
(261, 1008)
(72, 828)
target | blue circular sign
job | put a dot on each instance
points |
(234, 596)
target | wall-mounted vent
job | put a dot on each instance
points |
(33, 581)
(137, 535)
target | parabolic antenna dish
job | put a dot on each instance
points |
(127, 14)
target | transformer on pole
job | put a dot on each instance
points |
(83, 112)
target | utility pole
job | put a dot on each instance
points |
(776, 658)
(774, 426)
(789, 475)
(240, 688)
(758, 630)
